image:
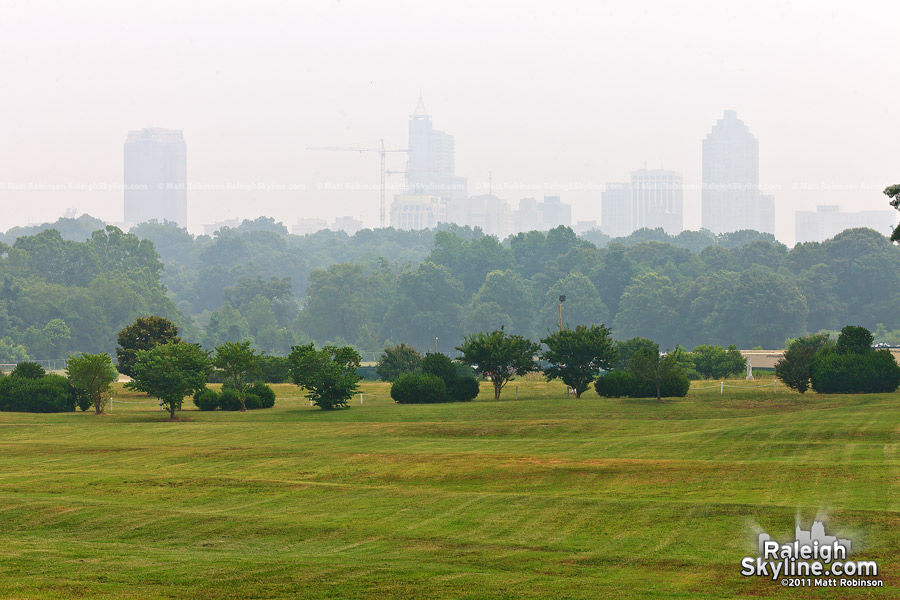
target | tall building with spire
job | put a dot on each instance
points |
(431, 166)
(731, 196)
(156, 176)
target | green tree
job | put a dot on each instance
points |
(226, 325)
(50, 341)
(583, 305)
(654, 368)
(715, 362)
(238, 362)
(397, 360)
(648, 308)
(329, 374)
(854, 340)
(499, 356)
(628, 348)
(794, 369)
(503, 299)
(144, 334)
(893, 192)
(170, 372)
(427, 306)
(92, 374)
(578, 355)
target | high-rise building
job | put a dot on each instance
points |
(431, 166)
(156, 176)
(615, 210)
(828, 221)
(554, 213)
(657, 199)
(731, 196)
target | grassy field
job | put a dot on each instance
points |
(540, 497)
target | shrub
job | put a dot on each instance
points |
(28, 370)
(868, 373)
(464, 389)
(419, 388)
(206, 399)
(624, 384)
(47, 394)
(457, 378)
(229, 399)
(795, 367)
(252, 401)
(82, 399)
(265, 394)
(616, 384)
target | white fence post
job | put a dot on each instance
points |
(722, 388)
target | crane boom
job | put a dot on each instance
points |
(381, 151)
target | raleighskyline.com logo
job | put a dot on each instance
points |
(812, 559)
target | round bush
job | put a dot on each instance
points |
(674, 387)
(229, 399)
(867, 373)
(28, 370)
(616, 384)
(251, 401)
(265, 394)
(206, 399)
(464, 389)
(418, 388)
(48, 394)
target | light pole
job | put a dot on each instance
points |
(561, 300)
(435, 344)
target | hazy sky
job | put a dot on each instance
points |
(553, 98)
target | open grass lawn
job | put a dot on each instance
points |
(543, 497)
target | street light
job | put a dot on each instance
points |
(435, 344)
(561, 300)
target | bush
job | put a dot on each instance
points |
(464, 389)
(206, 399)
(229, 399)
(869, 373)
(265, 394)
(82, 399)
(252, 401)
(28, 370)
(419, 388)
(624, 384)
(47, 394)
(616, 384)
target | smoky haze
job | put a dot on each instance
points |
(545, 98)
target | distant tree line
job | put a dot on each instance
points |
(378, 288)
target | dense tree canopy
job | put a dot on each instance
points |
(65, 289)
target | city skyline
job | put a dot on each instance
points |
(536, 118)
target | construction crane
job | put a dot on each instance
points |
(379, 150)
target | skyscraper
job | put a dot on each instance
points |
(657, 199)
(731, 196)
(431, 165)
(615, 210)
(156, 176)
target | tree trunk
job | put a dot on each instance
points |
(658, 394)
(243, 406)
(578, 392)
(497, 387)
(172, 411)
